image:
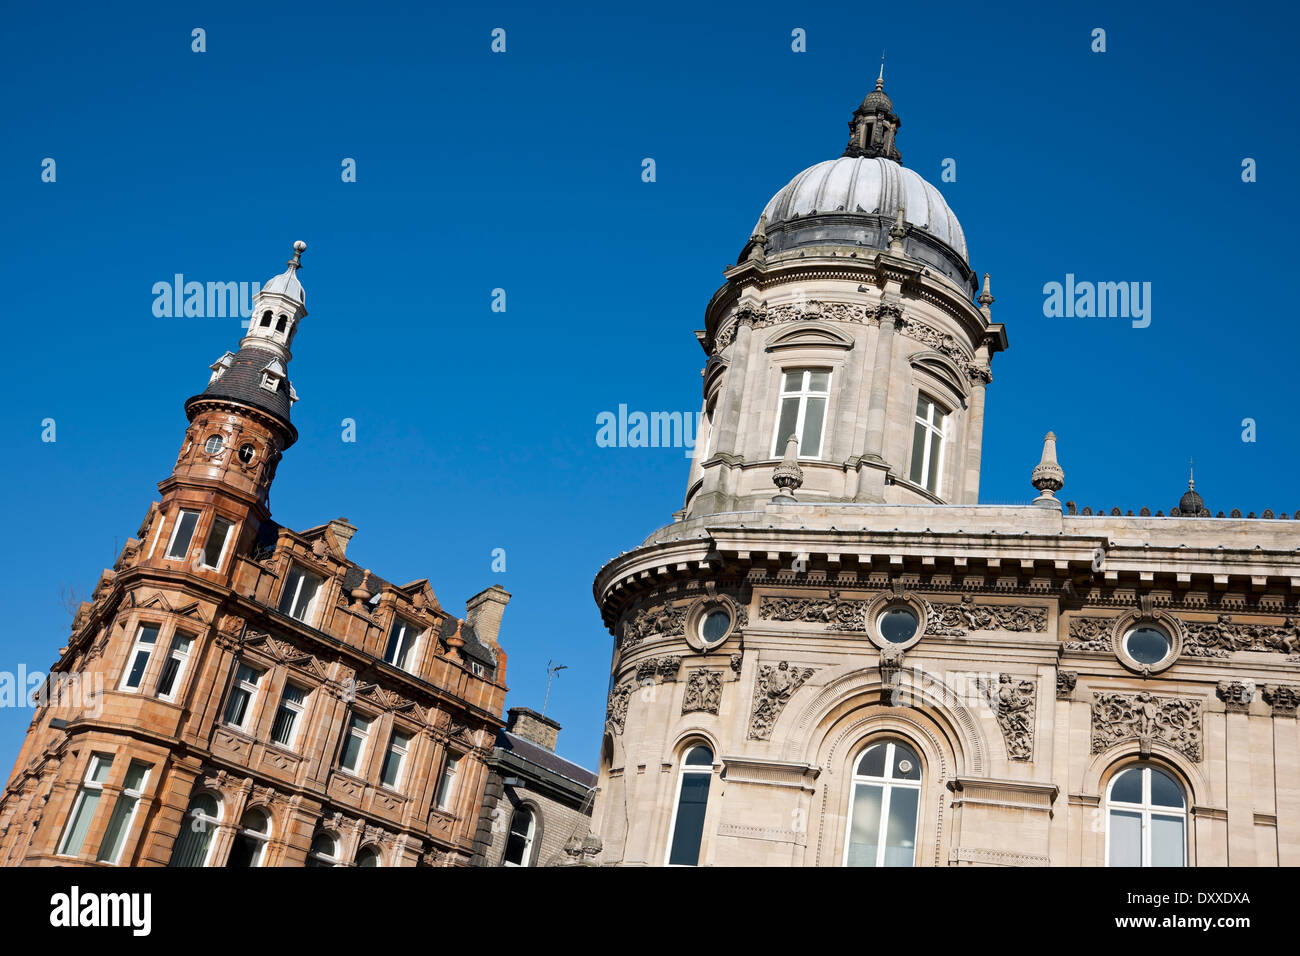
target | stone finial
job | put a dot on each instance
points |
(758, 241)
(986, 299)
(1048, 477)
(788, 476)
(898, 231)
(299, 248)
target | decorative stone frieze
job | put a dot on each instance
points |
(703, 692)
(1012, 700)
(1236, 695)
(1090, 634)
(836, 613)
(1218, 638)
(1283, 698)
(964, 616)
(1175, 721)
(663, 620)
(776, 685)
(616, 706)
(661, 668)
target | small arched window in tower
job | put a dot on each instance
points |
(1146, 819)
(519, 842)
(266, 318)
(194, 844)
(250, 842)
(281, 323)
(883, 813)
(687, 832)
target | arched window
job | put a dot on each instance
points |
(883, 814)
(367, 856)
(324, 851)
(194, 843)
(280, 323)
(266, 318)
(250, 842)
(687, 832)
(519, 841)
(1146, 819)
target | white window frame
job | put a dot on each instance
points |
(261, 838)
(408, 640)
(929, 429)
(88, 785)
(526, 858)
(297, 708)
(888, 784)
(250, 687)
(803, 394)
(402, 752)
(359, 766)
(1147, 809)
(176, 527)
(182, 658)
(309, 611)
(135, 795)
(231, 525)
(447, 780)
(139, 646)
(160, 519)
(682, 770)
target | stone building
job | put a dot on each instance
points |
(535, 802)
(238, 693)
(868, 667)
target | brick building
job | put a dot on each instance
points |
(237, 693)
(537, 805)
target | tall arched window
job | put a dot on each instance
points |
(519, 841)
(250, 843)
(1146, 819)
(324, 851)
(367, 856)
(883, 813)
(194, 844)
(687, 832)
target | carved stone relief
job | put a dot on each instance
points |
(664, 620)
(1123, 716)
(1012, 700)
(776, 685)
(1283, 698)
(836, 614)
(1090, 634)
(1236, 695)
(703, 692)
(957, 619)
(1217, 638)
(616, 707)
(663, 668)
(1065, 684)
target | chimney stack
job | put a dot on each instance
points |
(533, 727)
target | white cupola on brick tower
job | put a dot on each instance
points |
(277, 309)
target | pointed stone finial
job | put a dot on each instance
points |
(758, 241)
(880, 80)
(788, 476)
(1048, 477)
(986, 299)
(1191, 474)
(898, 231)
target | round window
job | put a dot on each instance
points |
(1147, 644)
(714, 625)
(898, 625)
(212, 445)
(246, 453)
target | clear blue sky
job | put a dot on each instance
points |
(476, 430)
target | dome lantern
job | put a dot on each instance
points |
(874, 124)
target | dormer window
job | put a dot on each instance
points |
(273, 375)
(401, 640)
(299, 593)
(221, 366)
(270, 382)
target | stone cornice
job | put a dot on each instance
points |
(771, 773)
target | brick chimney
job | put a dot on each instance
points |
(343, 532)
(533, 727)
(483, 613)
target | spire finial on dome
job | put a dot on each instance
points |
(880, 80)
(874, 124)
(1191, 474)
(1191, 504)
(299, 248)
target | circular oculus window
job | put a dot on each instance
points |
(898, 624)
(714, 625)
(246, 453)
(213, 444)
(1147, 644)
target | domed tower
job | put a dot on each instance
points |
(849, 323)
(218, 494)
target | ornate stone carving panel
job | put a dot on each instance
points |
(663, 620)
(1124, 716)
(1218, 638)
(836, 614)
(663, 668)
(957, 619)
(1012, 700)
(1065, 684)
(703, 692)
(1283, 698)
(1090, 634)
(776, 685)
(616, 708)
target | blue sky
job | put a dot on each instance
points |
(522, 171)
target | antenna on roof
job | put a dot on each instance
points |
(552, 669)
